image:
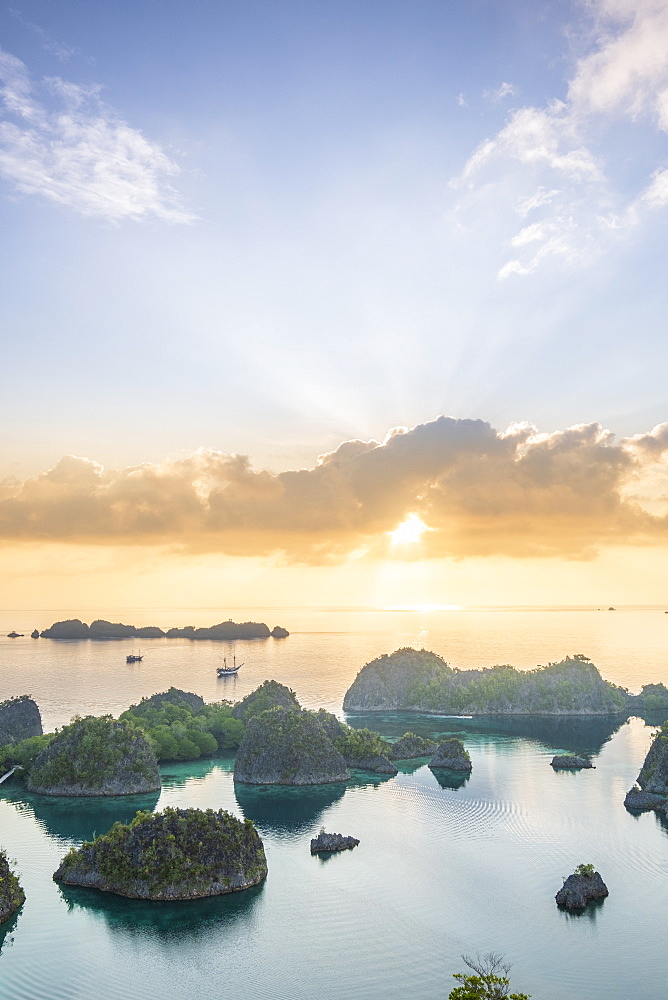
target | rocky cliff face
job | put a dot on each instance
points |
(385, 684)
(176, 854)
(287, 747)
(96, 756)
(270, 694)
(20, 719)
(653, 776)
(419, 681)
(12, 896)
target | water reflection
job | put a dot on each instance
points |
(590, 912)
(282, 809)
(450, 779)
(167, 922)
(580, 735)
(7, 931)
(69, 818)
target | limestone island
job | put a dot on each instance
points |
(451, 755)
(584, 885)
(74, 629)
(287, 747)
(411, 680)
(330, 842)
(652, 789)
(20, 719)
(95, 756)
(566, 762)
(176, 854)
(12, 896)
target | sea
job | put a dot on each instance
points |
(445, 867)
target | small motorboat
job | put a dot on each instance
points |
(226, 671)
(134, 657)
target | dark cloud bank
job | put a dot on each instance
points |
(481, 492)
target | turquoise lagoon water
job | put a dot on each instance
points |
(444, 866)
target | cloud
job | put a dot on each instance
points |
(622, 78)
(58, 140)
(505, 90)
(481, 491)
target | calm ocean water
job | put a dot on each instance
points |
(441, 869)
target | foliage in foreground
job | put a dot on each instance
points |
(488, 982)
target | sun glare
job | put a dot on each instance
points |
(409, 531)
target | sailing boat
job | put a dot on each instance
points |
(226, 671)
(134, 657)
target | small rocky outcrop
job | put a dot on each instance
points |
(34, 634)
(15, 635)
(20, 719)
(638, 801)
(176, 854)
(287, 747)
(653, 775)
(580, 888)
(278, 632)
(96, 756)
(73, 628)
(565, 762)
(12, 896)
(328, 842)
(411, 746)
(270, 694)
(453, 755)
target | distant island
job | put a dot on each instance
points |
(74, 628)
(411, 680)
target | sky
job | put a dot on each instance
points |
(281, 276)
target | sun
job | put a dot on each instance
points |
(409, 531)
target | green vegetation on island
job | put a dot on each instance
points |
(180, 725)
(95, 756)
(420, 681)
(12, 896)
(175, 854)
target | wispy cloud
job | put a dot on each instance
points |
(58, 140)
(480, 491)
(551, 152)
(505, 90)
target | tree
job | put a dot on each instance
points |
(489, 981)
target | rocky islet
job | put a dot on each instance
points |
(176, 854)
